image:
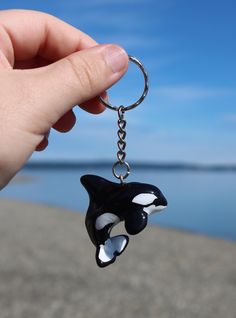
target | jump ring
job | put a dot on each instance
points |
(123, 176)
(145, 90)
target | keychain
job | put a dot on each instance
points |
(111, 203)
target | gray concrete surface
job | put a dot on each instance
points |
(47, 270)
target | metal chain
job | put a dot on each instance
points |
(121, 154)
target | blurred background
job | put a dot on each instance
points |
(182, 138)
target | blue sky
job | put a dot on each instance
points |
(189, 49)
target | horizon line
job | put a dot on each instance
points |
(175, 165)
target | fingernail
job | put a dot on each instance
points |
(116, 58)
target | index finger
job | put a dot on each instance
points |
(26, 34)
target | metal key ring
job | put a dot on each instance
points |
(121, 176)
(145, 90)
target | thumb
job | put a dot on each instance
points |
(77, 78)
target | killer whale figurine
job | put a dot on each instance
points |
(111, 203)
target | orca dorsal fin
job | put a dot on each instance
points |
(96, 185)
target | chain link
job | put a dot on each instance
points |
(121, 154)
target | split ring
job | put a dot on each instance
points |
(145, 90)
(121, 176)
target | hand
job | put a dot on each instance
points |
(46, 68)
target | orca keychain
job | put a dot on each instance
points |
(111, 203)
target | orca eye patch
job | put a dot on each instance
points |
(145, 199)
(155, 202)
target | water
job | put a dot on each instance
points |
(199, 201)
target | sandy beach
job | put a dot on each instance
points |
(47, 270)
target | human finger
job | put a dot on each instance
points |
(26, 34)
(94, 106)
(43, 144)
(73, 80)
(66, 122)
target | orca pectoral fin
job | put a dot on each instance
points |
(106, 254)
(136, 221)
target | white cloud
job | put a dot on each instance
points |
(121, 23)
(98, 142)
(230, 118)
(191, 93)
(117, 2)
(157, 62)
(162, 4)
(134, 41)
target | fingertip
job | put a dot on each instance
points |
(43, 145)
(94, 105)
(66, 122)
(116, 58)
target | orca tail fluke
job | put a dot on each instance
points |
(106, 254)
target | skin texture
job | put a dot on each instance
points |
(46, 68)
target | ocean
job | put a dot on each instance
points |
(201, 201)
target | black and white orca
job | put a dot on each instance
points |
(111, 203)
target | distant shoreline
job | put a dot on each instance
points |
(136, 165)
